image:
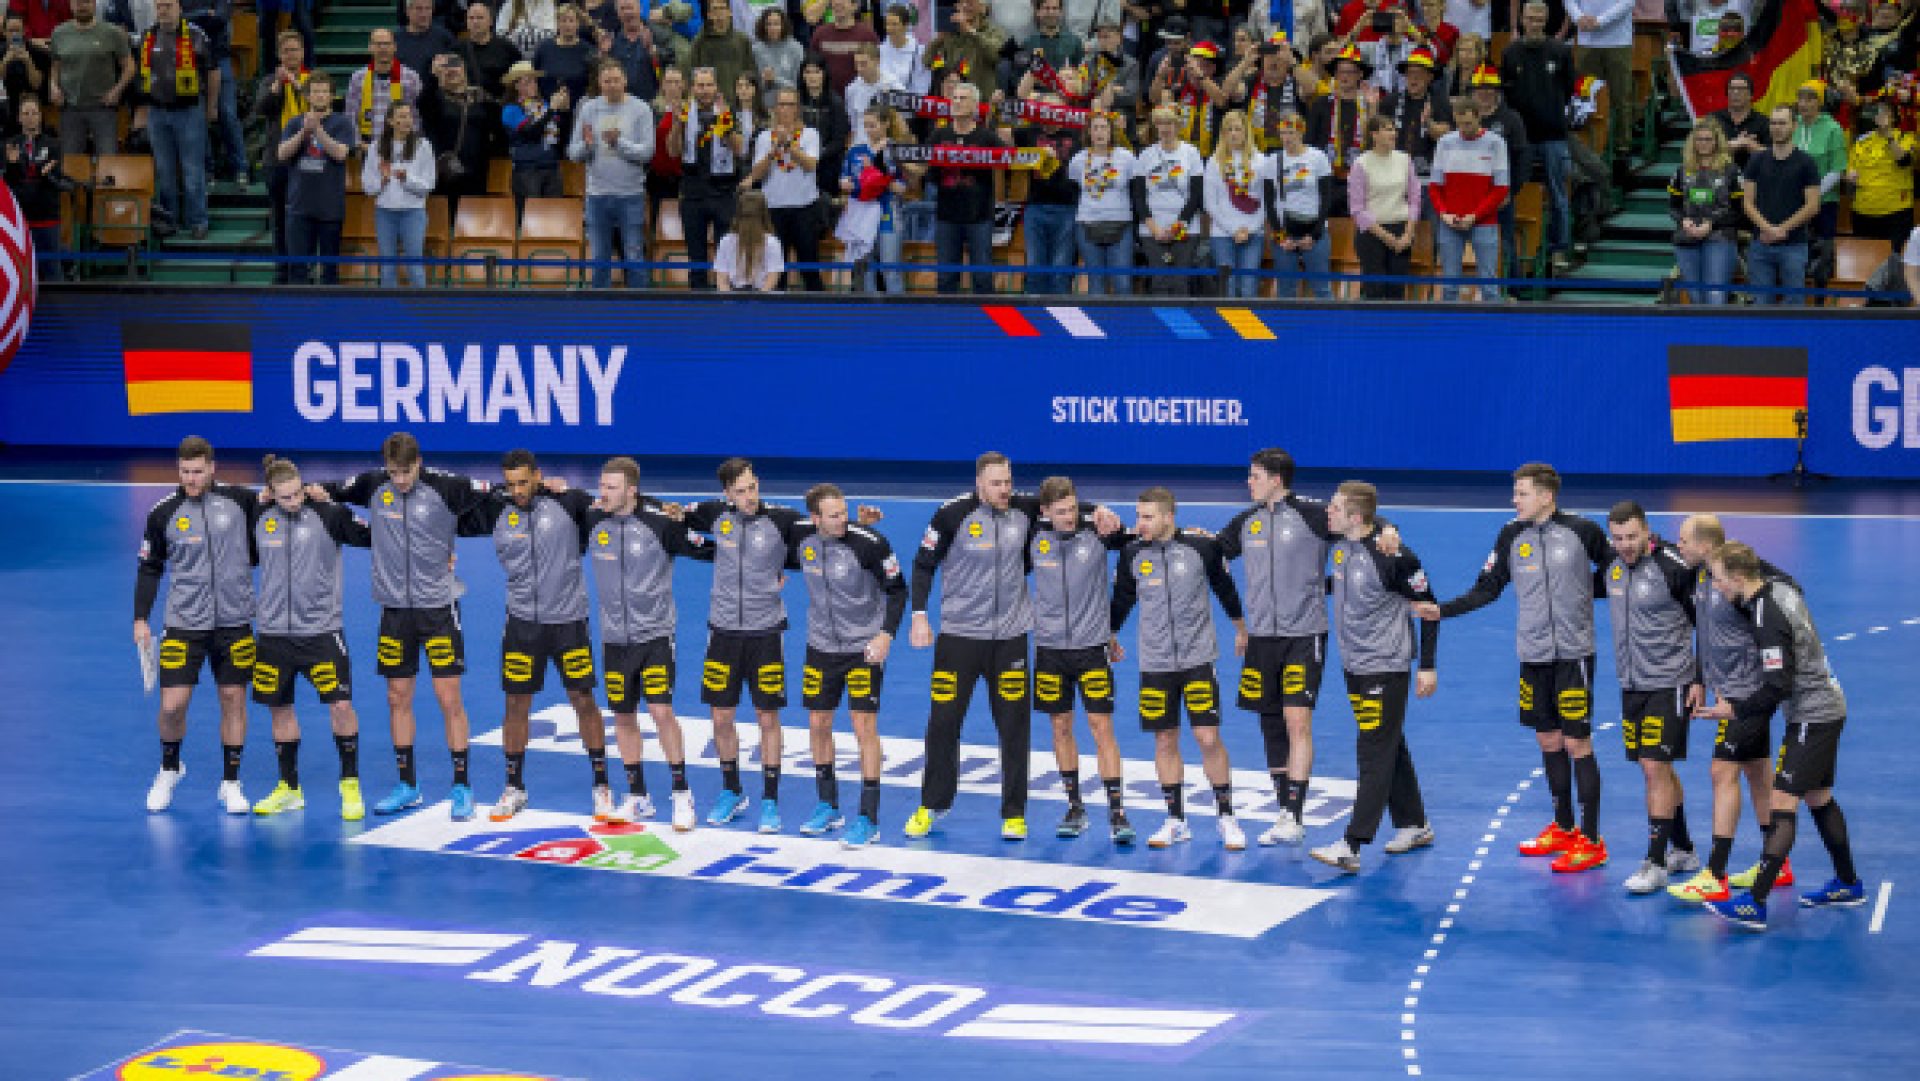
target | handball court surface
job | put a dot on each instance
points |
(194, 944)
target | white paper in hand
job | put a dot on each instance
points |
(149, 655)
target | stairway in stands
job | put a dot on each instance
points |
(1636, 244)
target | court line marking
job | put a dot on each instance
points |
(1880, 908)
(130, 1056)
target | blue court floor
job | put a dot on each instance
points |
(190, 943)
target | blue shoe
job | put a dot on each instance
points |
(769, 816)
(403, 797)
(462, 797)
(1741, 910)
(726, 807)
(1836, 894)
(825, 817)
(862, 833)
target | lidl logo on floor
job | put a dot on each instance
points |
(950, 880)
(191, 1054)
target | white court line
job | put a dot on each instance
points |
(155, 1045)
(1880, 909)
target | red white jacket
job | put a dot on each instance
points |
(1470, 176)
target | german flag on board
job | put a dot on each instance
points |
(187, 368)
(1735, 392)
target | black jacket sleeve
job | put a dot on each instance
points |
(1217, 575)
(877, 556)
(484, 515)
(1124, 590)
(1494, 576)
(1409, 579)
(343, 526)
(703, 514)
(460, 493)
(1774, 637)
(933, 548)
(1314, 513)
(1598, 548)
(1230, 534)
(579, 506)
(358, 489)
(153, 560)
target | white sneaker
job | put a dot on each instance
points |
(232, 800)
(1407, 839)
(603, 804)
(1172, 832)
(1231, 835)
(160, 794)
(683, 815)
(1682, 861)
(632, 809)
(1650, 878)
(1286, 830)
(1338, 854)
(512, 802)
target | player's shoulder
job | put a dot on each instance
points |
(861, 535)
(165, 506)
(1671, 561)
(1511, 530)
(957, 508)
(1240, 517)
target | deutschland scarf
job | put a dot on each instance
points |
(1037, 158)
(396, 91)
(186, 72)
(921, 105)
(293, 104)
(1040, 112)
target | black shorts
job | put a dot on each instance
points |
(643, 667)
(1557, 696)
(1809, 755)
(1653, 724)
(229, 649)
(734, 660)
(1163, 693)
(827, 675)
(1743, 739)
(1281, 672)
(322, 658)
(526, 647)
(1061, 674)
(406, 632)
(959, 663)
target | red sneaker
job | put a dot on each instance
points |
(1550, 842)
(1585, 855)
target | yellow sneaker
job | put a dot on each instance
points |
(352, 807)
(1744, 880)
(921, 823)
(1013, 829)
(1701, 888)
(281, 799)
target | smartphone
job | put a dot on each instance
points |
(1383, 22)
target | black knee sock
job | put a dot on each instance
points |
(349, 748)
(1833, 833)
(403, 761)
(1273, 732)
(1116, 798)
(1297, 798)
(516, 769)
(679, 772)
(597, 758)
(770, 782)
(459, 767)
(1279, 778)
(1071, 779)
(229, 761)
(1223, 799)
(1681, 839)
(636, 778)
(870, 798)
(1560, 784)
(1586, 775)
(1176, 795)
(1774, 855)
(825, 786)
(289, 755)
(1658, 830)
(170, 754)
(730, 775)
(1717, 859)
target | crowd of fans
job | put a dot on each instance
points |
(1199, 135)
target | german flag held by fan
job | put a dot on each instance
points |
(1781, 51)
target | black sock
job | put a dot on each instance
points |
(349, 748)
(1116, 797)
(459, 767)
(1682, 840)
(770, 782)
(1717, 859)
(1658, 829)
(1297, 798)
(230, 761)
(636, 778)
(679, 772)
(825, 786)
(289, 755)
(1279, 779)
(1071, 779)
(1273, 733)
(170, 755)
(403, 761)
(1586, 774)
(516, 769)
(870, 798)
(1560, 784)
(1774, 855)
(597, 758)
(730, 775)
(1223, 799)
(1176, 799)
(1833, 833)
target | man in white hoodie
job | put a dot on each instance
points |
(1605, 34)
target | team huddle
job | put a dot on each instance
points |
(1703, 619)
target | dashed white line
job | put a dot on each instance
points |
(1876, 630)
(1844, 637)
(1880, 909)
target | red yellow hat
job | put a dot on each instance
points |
(1485, 75)
(1813, 86)
(1352, 55)
(1205, 50)
(1420, 57)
